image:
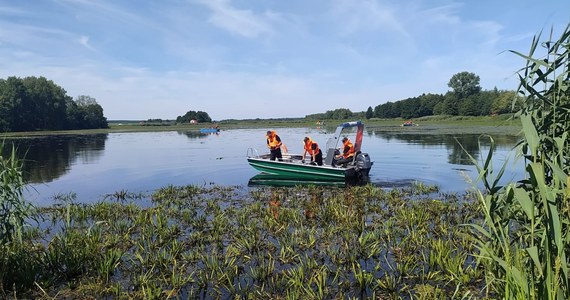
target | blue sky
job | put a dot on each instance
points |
(266, 58)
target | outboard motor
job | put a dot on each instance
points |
(363, 164)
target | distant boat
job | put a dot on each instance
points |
(293, 167)
(209, 130)
(409, 123)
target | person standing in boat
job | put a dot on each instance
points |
(312, 148)
(347, 153)
(274, 144)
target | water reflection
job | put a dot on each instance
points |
(196, 134)
(263, 179)
(455, 144)
(47, 158)
(95, 165)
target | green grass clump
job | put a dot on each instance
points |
(219, 242)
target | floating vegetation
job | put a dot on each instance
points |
(219, 242)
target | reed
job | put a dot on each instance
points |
(523, 242)
(14, 209)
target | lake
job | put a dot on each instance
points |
(92, 166)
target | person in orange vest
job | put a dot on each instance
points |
(312, 148)
(347, 153)
(274, 144)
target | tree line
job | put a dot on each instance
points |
(36, 103)
(199, 116)
(465, 99)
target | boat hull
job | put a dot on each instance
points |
(284, 180)
(301, 171)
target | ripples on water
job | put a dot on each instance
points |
(93, 166)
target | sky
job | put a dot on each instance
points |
(242, 59)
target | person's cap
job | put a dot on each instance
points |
(268, 131)
(344, 139)
(306, 138)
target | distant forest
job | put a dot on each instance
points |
(465, 99)
(34, 103)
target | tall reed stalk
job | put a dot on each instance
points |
(13, 208)
(524, 242)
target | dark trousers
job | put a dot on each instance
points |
(276, 153)
(342, 161)
(318, 158)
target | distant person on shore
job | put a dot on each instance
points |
(274, 144)
(312, 148)
(347, 153)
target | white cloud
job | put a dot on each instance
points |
(367, 15)
(242, 22)
(152, 59)
(84, 41)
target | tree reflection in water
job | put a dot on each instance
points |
(455, 144)
(46, 158)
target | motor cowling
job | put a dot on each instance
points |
(363, 161)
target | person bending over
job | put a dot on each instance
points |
(312, 148)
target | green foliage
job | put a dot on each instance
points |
(337, 114)
(85, 113)
(14, 210)
(34, 103)
(369, 113)
(469, 100)
(199, 116)
(464, 84)
(524, 242)
(272, 243)
(19, 266)
(416, 107)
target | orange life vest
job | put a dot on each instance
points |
(272, 140)
(309, 147)
(348, 152)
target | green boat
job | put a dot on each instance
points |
(263, 179)
(293, 167)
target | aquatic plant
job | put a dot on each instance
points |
(300, 242)
(523, 242)
(14, 209)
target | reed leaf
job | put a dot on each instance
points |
(525, 250)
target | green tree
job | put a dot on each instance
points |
(502, 103)
(12, 97)
(464, 84)
(45, 105)
(450, 104)
(199, 116)
(369, 113)
(338, 114)
(36, 103)
(85, 113)
(410, 108)
(467, 107)
(428, 103)
(438, 109)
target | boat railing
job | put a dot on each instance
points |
(252, 152)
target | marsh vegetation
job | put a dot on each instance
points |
(500, 242)
(222, 242)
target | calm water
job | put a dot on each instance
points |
(93, 166)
